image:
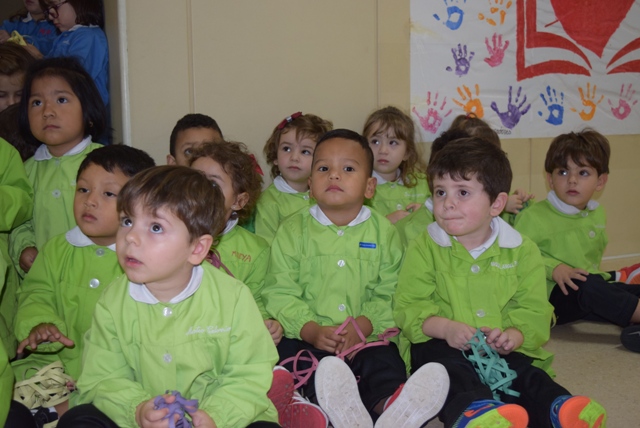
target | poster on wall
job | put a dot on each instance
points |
(529, 68)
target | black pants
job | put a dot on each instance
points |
(88, 416)
(537, 390)
(19, 417)
(380, 370)
(596, 298)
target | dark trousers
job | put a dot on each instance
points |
(88, 416)
(537, 389)
(380, 370)
(19, 416)
(596, 298)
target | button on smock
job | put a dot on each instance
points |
(341, 263)
(340, 232)
(592, 234)
(94, 283)
(167, 357)
(584, 214)
(341, 307)
(167, 312)
(480, 313)
(475, 268)
(100, 252)
(56, 193)
(399, 207)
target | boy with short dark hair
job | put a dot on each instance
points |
(189, 133)
(569, 228)
(58, 295)
(471, 271)
(330, 283)
(174, 323)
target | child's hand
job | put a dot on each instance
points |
(351, 337)
(275, 330)
(457, 334)
(201, 419)
(503, 341)
(414, 206)
(324, 338)
(148, 417)
(396, 216)
(27, 257)
(563, 276)
(44, 333)
(516, 201)
(4, 36)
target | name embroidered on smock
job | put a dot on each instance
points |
(211, 329)
(505, 265)
(241, 256)
(367, 245)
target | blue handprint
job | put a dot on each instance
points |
(554, 105)
(463, 64)
(454, 15)
(512, 115)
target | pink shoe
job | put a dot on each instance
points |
(630, 274)
(281, 392)
(300, 413)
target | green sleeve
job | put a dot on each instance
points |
(21, 237)
(6, 385)
(16, 192)
(255, 279)
(530, 224)
(267, 216)
(240, 396)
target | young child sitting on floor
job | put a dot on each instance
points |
(174, 323)
(569, 228)
(331, 279)
(471, 271)
(288, 150)
(58, 295)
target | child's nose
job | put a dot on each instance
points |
(47, 110)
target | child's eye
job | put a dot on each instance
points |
(187, 152)
(439, 192)
(584, 173)
(323, 169)
(562, 172)
(62, 100)
(36, 103)
(374, 142)
(349, 168)
(126, 222)
(110, 195)
(156, 228)
(393, 143)
(286, 149)
(82, 190)
(307, 152)
(464, 192)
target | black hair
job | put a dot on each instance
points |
(128, 160)
(585, 148)
(9, 131)
(88, 12)
(445, 138)
(192, 120)
(94, 113)
(348, 134)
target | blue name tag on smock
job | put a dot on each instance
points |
(367, 245)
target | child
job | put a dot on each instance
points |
(58, 295)
(188, 134)
(14, 62)
(336, 264)
(32, 25)
(172, 323)
(569, 228)
(244, 254)
(473, 271)
(61, 109)
(16, 207)
(402, 186)
(288, 150)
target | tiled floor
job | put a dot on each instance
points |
(589, 360)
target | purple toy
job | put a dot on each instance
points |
(179, 407)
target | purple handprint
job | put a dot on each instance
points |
(463, 64)
(496, 50)
(624, 108)
(454, 14)
(512, 115)
(555, 106)
(432, 121)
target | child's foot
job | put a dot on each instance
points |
(491, 413)
(630, 274)
(300, 413)
(337, 393)
(281, 391)
(577, 411)
(630, 337)
(418, 400)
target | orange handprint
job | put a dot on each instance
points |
(469, 104)
(496, 7)
(587, 113)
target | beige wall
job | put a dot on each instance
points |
(249, 64)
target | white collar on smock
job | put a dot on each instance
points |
(231, 223)
(556, 203)
(381, 180)
(43, 152)
(76, 238)
(140, 292)
(322, 218)
(282, 185)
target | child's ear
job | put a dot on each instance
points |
(370, 190)
(241, 201)
(602, 180)
(201, 248)
(498, 205)
(171, 160)
(549, 181)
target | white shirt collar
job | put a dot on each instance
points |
(76, 238)
(140, 292)
(75, 27)
(231, 223)
(282, 185)
(506, 235)
(564, 208)
(27, 18)
(429, 204)
(383, 181)
(322, 218)
(43, 152)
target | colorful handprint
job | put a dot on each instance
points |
(432, 121)
(588, 102)
(496, 7)
(496, 50)
(468, 103)
(462, 61)
(555, 106)
(625, 103)
(455, 14)
(514, 112)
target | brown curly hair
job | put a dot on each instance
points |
(236, 161)
(306, 126)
